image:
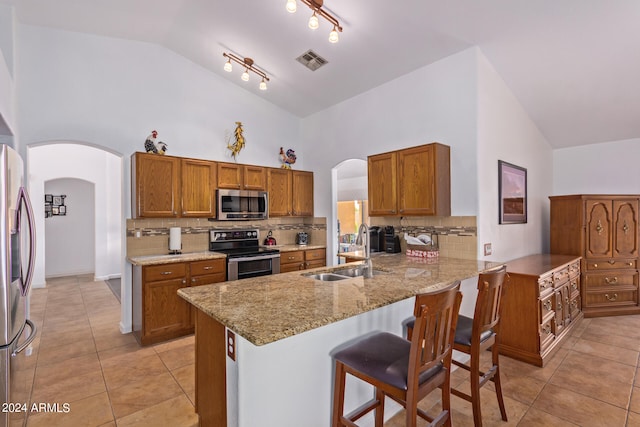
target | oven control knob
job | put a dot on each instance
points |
(223, 235)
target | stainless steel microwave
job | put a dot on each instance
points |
(237, 205)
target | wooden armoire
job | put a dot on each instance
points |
(604, 231)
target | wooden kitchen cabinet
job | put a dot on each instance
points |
(302, 260)
(290, 192)
(159, 314)
(302, 192)
(165, 186)
(155, 186)
(197, 184)
(540, 306)
(241, 177)
(411, 182)
(604, 230)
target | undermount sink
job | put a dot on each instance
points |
(341, 274)
(327, 277)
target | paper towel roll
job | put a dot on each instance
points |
(175, 239)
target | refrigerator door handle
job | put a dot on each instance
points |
(23, 198)
(29, 339)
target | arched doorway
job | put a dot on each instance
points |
(93, 164)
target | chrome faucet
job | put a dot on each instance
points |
(365, 238)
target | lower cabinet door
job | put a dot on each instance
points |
(164, 311)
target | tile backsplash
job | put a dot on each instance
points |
(457, 235)
(150, 236)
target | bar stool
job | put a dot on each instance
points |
(402, 370)
(478, 334)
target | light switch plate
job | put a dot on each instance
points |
(487, 249)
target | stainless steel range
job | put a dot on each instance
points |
(245, 257)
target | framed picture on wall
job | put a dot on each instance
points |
(57, 200)
(48, 198)
(512, 188)
(62, 210)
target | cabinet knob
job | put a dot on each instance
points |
(546, 329)
(166, 273)
(547, 305)
(630, 264)
(208, 267)
(393, 211)
(611, 281)
(193, 280)
(611, 298)
(595, 265)
(184, 281)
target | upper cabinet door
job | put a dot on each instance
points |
(416, 179)
(280, 192)
(302, 190)
(255, 178)
(381, 173)
(599, 227)
(155, 185)
(230, 176)
(198, 188)
(625, 229)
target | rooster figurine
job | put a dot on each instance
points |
(151, 146)
(287, 158)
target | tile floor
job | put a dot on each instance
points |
(81, 358)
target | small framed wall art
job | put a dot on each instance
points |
(54, 205)
(512, 188)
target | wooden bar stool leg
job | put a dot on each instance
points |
(496, 381)
(338, 395)
(380, 408)
(475, 389)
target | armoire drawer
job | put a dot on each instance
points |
(610, 279)
(610, 264)
(615, 297)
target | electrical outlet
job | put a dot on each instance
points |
(487, 249)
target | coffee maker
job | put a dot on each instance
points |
(391, 241)
(376, 236)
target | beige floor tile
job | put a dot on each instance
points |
(142, 394)
(92, 411)
(177, 411)
(117, 374)
(596, 377)
(628, 357)
(634, 403)
(578, 409)
(185, 376)
(178, 357)
(70, 389)
(633, 420)
(537, 418)
(60, 353)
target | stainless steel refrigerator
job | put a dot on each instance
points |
(17, 256)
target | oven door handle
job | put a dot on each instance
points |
(253, 258)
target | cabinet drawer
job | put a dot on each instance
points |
(610, 279)
(154, 273)
(210, 266)
(611, 264)
(560, 276)
(574, 286)
(315, 263)
(574, 306)
(611, 298)
(291, 257)
(546, 335)
(208, 279)
(546, 308)
(315, 254)
(292, 266)
(545, 284)
(574, 269)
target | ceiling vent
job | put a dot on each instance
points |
(311, 60)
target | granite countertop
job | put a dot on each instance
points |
(203, 255)
(270, 308)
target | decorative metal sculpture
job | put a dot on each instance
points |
(239, 141)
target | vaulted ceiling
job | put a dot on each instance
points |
(574, 65)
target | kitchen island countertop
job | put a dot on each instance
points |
(270, 308)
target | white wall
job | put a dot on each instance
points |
(70, 238)
(607, 168)
(112, 93)
(434, 103)
(7, 87)
(505, 132)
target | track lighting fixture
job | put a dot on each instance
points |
(247, 63)
(316, 6)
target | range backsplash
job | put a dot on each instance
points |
(151, 236)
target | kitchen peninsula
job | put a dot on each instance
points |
(264, 345)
